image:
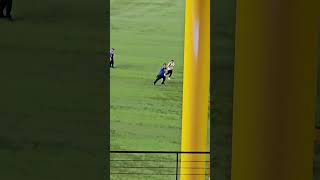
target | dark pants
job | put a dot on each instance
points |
(111, 62)
(5, 5)
(158, 78)
(169, 72)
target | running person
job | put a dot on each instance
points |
(170, 67)
(161, 74)
(111, 57)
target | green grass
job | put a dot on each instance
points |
(146, 34)
(53, 91)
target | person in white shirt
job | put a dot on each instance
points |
(170, 67)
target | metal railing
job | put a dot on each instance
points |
(163, 164)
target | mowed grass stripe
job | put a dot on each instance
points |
(146, 34)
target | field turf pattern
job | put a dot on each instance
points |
(146, 34)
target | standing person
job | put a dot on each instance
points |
(6, 5)
(170, 67)
(111, 57)
(161, 74)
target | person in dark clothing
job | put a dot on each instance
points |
(111, 56)
(170, 67)
(7, 6)
(161, 74)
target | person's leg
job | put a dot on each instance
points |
(8, 8)
(163, 79)
(169, 73)
(157, 79)
(111, 63)
(2, 5)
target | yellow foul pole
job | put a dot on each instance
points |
(274, 90)
(195, 88)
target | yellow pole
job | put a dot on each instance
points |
(274, 90)
(195, 88)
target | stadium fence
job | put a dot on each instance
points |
(159, 164)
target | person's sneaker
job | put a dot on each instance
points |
(169, 78)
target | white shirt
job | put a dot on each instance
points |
(111, 52)
(170, 65)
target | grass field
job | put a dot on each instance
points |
(53, 91)
(146, 34)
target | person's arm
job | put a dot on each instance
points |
(169, 65)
